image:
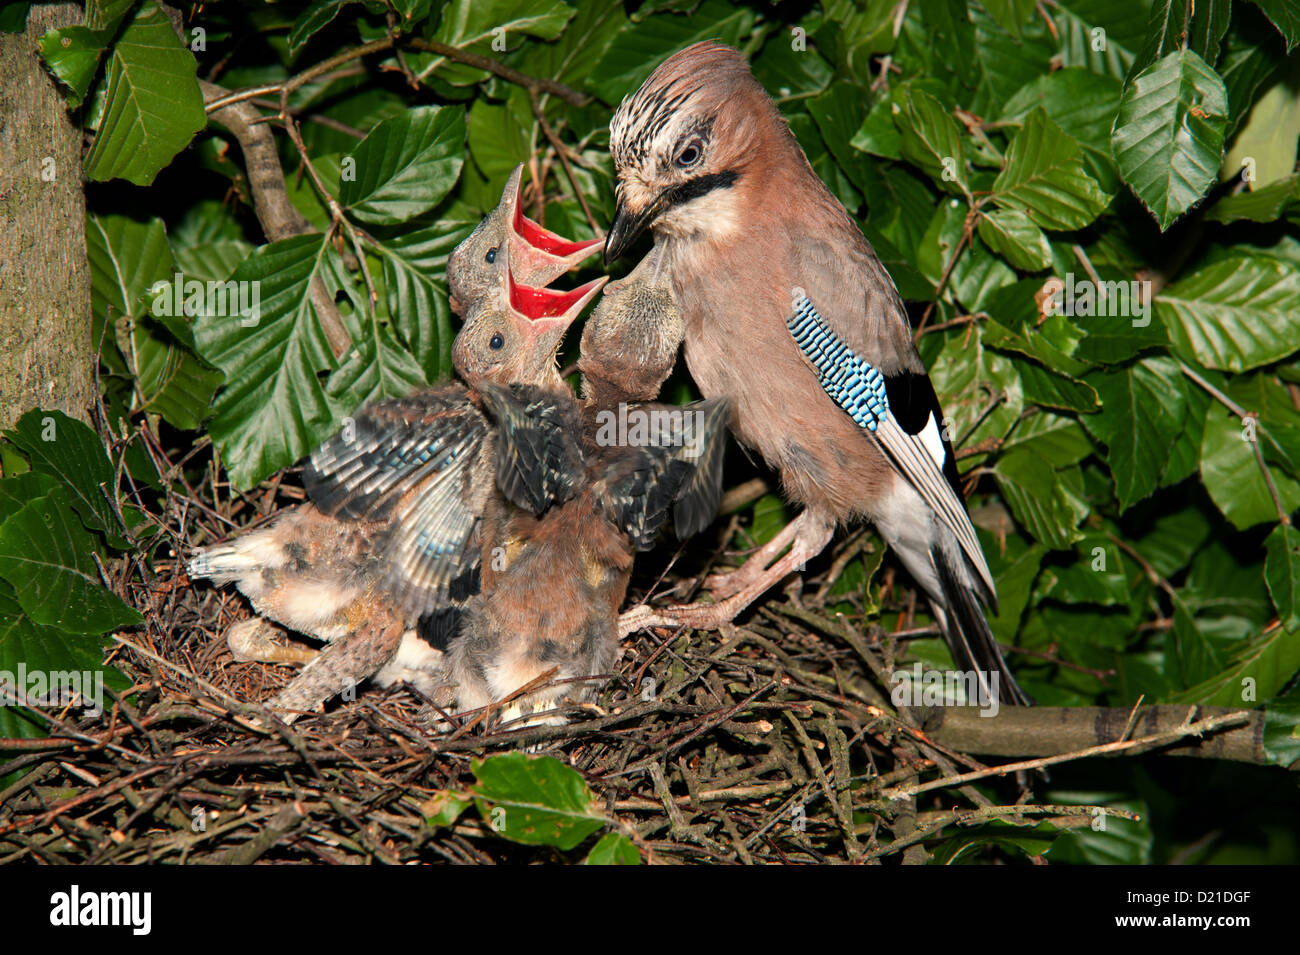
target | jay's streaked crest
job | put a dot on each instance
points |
(706, 162)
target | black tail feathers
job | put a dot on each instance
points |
(967, 632)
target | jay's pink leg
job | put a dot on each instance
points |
(730, 583)
(811, 535)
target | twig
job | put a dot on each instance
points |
(562, 151)
(279, 218)
(1243, 414)
(296, 82)
(743, 494)
(967, 231)
(535, 84)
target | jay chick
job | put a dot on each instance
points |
(790, 315)
(537, 255)
(379, 562)
(630, 341)
(558, 548)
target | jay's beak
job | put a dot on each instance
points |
(626, 229)
(628, 226)
(537, 254)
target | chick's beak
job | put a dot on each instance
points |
(538, 255)
(547, 310)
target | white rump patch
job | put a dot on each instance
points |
(933, 442)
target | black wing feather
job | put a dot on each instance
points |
(679, 472)
(411, 462)
(912, 401)
(539, 446)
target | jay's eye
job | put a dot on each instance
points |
(497, 341)
(691, 154)
(491, 255)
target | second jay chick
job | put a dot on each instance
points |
(379, 561)
(560, 542)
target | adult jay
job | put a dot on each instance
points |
(790, 315)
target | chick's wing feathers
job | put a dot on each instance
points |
(412, 462)
(703, 440)
(677, 472)
(539, 460)
(389, 447)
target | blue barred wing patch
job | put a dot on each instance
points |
(852, 383)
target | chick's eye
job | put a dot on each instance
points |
(497, 342)
(690, 155)
(491, 255)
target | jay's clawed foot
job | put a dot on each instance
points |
(729, 583)
(809, 537)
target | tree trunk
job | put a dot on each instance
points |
(45, 313)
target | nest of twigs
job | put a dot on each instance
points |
(770, 741)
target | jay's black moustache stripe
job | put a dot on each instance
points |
(699, 186)
(626, 228)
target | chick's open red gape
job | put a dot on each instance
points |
(542, 303)
(542, 238)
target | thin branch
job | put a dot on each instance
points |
(300, 80)
(743, 494)
(239, 96)
(954, 323)
(279, 218)
(967, 231)
(534, 84)
(1187, 728)
(562, 151)
(339, 220)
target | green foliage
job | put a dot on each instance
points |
(614, 848)
(58, 520)
(46, 555)
(1234, 315)
(271, 360)
(406, 165)
(1044, 177)
(1282, 572)
(535, 801)
(1111, 840)
(152, 106)
(1016, 840)
(1021, 180)
(1168, 137)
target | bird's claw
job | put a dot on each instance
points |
(731, 582)
(529, 715)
